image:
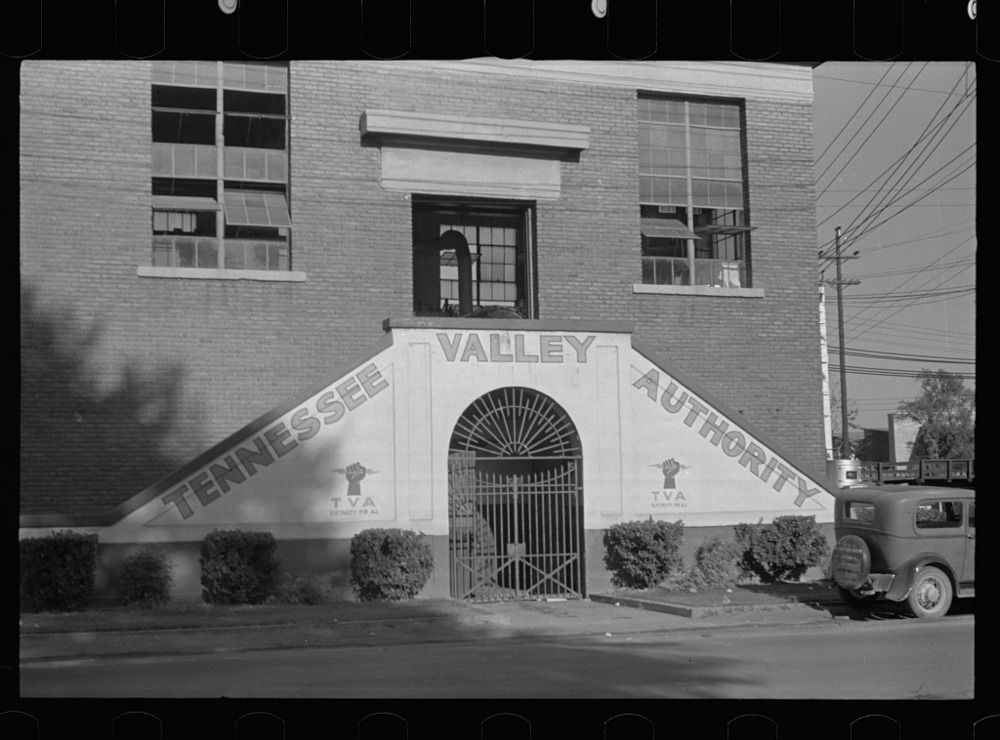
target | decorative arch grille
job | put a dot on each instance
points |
(515, 422)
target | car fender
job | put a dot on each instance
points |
(905, 575)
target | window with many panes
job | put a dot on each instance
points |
(220, 165)
(485, 246)
(691, 193)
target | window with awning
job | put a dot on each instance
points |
(249, 208)
(666, 228)
(220, 165)
(692, 192)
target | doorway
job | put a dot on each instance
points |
(515, 500)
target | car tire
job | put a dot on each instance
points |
(853, 598)
(931, 593)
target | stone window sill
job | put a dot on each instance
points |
(201, 273)
(698, 290)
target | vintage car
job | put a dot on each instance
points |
(905, 543)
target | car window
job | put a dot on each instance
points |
(859, 511)
(939, 514)
(972, 515)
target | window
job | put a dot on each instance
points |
(859, 511)
(220, 166)
(471, 259)
(939, 515)
(691, 192)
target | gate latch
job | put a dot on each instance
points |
(516, 549)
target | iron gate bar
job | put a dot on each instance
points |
(511, 422)
(514, 536)
(551, 575)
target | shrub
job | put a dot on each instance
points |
(389, 564)
(309, 590)
(642, 554)
(782, 550)
(716, 565)
(145, 580)
(57, 571)
(238, 567)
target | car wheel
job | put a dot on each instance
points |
(853, 598)
(930, 595)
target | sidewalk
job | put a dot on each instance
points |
(520, 620)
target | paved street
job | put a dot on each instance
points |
(836, 659)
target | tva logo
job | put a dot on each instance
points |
(670, 468)
(355, 473)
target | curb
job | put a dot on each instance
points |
(696, 612)
(477, 619)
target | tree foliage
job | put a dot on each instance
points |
(946, 412)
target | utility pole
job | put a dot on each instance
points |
(845, 447)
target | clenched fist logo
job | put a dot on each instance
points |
(670, 470)
(355, 473)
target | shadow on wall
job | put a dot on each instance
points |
(87, 446)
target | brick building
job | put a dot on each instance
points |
(209, 248)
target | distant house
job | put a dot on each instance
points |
(868, 445)
(902, 434)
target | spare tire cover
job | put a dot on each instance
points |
(851, 562)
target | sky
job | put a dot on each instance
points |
(895, 169)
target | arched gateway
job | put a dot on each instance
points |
(515, 504)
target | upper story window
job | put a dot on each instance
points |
(220, 165)
(472, 259)
(691, 193)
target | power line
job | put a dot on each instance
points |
(856, 112)
(905, 331)
(936, 132)
(882, 372)
(882, 297)
(878, 84)
(869, 324)
(928, 236)
(970, 261)
(865, 190)
(900, 357)
(856, 230)
(922, 285)
(853, 238)
(934, 128)
(894, 166)
(911, 346)
(874, 129)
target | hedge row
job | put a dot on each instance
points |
(237, 567)
(240, 567)
(644, 554)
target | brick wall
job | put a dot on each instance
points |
(760, 356)
(126, 377)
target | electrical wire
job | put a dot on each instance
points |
(881, 372)
(970, 261)
(855, 332)
(856, 112)
(874, 129)
(888, 187)
(851, 233)
(935, 129)
(901, 357)
(849, 241)
(880, 297)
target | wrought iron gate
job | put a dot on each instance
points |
(515, 527)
